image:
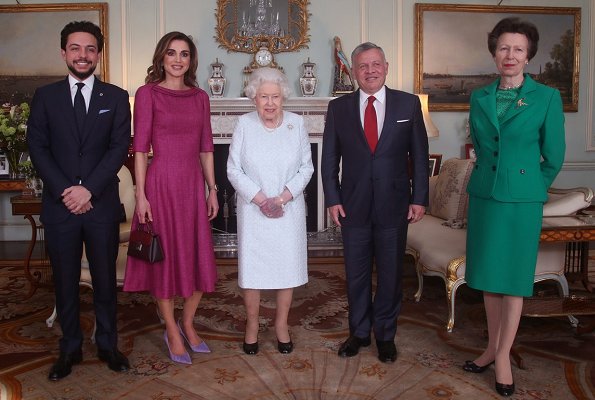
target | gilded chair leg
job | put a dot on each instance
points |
(450, 302)
(50, 321)
(420, 281)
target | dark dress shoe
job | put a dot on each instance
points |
(285, 348)
(470, 366)
(115, 360)
(63, 367)
(351, 346)
(387, 351)
(250, 348)
(504, 389)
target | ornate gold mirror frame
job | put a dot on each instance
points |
(247, 25)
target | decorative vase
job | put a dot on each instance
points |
(29, 189)
(14, 158)
(217, 81)
(308, 81)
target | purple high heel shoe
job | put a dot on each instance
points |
(201, 348)
(182, 359)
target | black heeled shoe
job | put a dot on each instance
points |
(250, 348)
(285, 348)
(470, 366)
(504, 389)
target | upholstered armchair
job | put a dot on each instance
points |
(438, 242)
(127, 197)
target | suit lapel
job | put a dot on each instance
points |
(524, 102)
(390, 118)
(488, 104)
(360, 125)
(95, 105)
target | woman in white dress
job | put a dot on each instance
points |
(269, 166)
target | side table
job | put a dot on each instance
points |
(30, 207)
(579, 229)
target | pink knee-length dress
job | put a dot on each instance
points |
(176, 124)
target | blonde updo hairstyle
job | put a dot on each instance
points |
(267, 75)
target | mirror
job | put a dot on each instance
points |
(247, 25)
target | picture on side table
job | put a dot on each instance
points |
(3, 166)
(470, 151)
(435, 162)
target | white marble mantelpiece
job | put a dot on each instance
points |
(225, 113)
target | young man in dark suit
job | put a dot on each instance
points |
(377, 136)
(78, 135)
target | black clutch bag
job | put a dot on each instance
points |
(144, 244)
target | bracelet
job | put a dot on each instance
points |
(282, 203)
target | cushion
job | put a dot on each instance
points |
(432, 186)
(565, 203)
(450, 195)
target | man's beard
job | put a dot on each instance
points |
(82, 75)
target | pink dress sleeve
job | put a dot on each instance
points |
(206, 136)
(143, 119)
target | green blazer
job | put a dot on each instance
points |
(517, 159)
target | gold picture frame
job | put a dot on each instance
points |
(234, 21)
(452, 59)
(30, 34)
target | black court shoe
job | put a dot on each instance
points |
(470, 366)
(250, 348)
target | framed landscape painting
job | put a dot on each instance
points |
(452, 56)
(30, 45)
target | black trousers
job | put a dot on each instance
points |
(65, 246)
(383, 247)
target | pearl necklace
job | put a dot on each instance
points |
(271, 130)
(511, 86)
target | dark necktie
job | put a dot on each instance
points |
(371, 124)
(80, 110)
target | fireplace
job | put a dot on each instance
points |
(224, 116)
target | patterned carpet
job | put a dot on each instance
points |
(558, 363)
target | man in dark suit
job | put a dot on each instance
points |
(381, 144)
(78, 134)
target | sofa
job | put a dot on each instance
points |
(438, 242)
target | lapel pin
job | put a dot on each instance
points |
(100, 94)
(289, 126)
(521, 103)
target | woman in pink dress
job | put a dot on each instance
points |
(172, 116)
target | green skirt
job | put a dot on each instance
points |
(502, 245)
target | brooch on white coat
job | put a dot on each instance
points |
(289, 126)
(521, 103)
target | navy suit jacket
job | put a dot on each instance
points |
(64, 159)
(389, 180)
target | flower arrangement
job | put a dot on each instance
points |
(13, 133)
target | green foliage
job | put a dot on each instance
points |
(13, 135)
(13, 127)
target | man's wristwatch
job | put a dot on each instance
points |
(214, 187)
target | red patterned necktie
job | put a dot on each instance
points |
(371, 124)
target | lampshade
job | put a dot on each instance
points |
(430, 127)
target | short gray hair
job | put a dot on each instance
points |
(264, 75)
(363, 47)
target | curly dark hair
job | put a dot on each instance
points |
(155, 72)
(514, 25)
(81, 26)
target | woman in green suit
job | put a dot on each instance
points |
(517, 129)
